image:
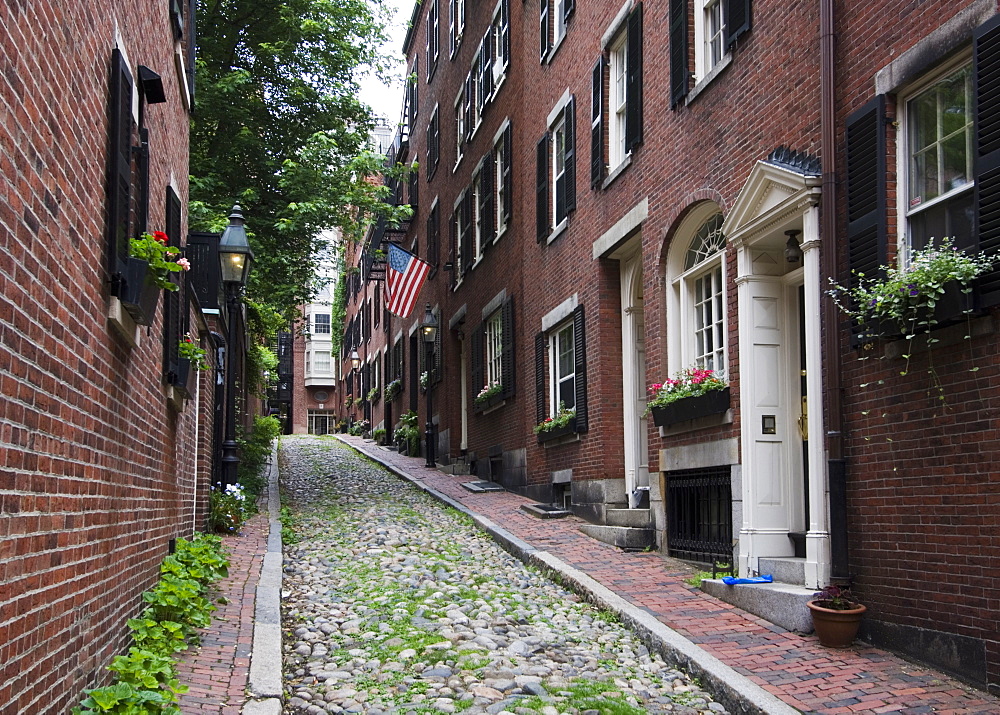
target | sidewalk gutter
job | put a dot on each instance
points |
(265, 686)
(739, 694)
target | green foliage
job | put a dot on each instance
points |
(146, 677)
(392, 389)
(690, 382)
(188, 348)
(379, 435)
(409, 432)
(562, 418)
(161, 257)
(255, 450)
(228, 508)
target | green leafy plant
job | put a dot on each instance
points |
(227, 508)
(409, 432)
(255, 451)
(901, 300)
(489, 391)
(188, 348)
(424, 379)
(359, 428)
(562, 418)
(379, 435)
(348, 402)
(162, 258)
(689, 382)
(123, 699)
(374, 394)
(393, 389)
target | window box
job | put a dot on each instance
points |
(182, 377)
(491, 401)
(558, 432)
(138, 295)
(690, 408)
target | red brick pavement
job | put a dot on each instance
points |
(793, 667)
(216, 672)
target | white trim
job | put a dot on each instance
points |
(503, 127)
(624, 227)
(494, 304)
(616, 25)
(557, 110)
(560, 313)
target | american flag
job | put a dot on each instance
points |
(405, 275)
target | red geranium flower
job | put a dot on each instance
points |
(161, 236)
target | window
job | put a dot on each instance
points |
(494, 348)
(503, 188)
(484, 204)
(456, 23)
(700, 295)
(432, 38)
(434, 236)
(560, 367)
(556, 171)
(938, 128)
(433, 143)
(718, 24)
(413, 94)
(321, 323)
(552, 20)
(618, 113)
(321, 362)
(322, 422)
(460, 112)
(462, 232)
(501, 41)
(709, 30)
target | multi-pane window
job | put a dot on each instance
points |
(502, 179)
(563, 373)
(500, 36)
(459, 126)
(619, 103)
(456, 23)
(321, 323)
(556, 174)
(939, 135)
(559, 171)
(552, 20)
(321, 361)
(433, 142)
(432, 38)
(703, 292)
(494, 348)
(711, 35)
(478, 217)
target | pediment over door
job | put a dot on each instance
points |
(773, 197)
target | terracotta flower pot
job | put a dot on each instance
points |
(836, 628)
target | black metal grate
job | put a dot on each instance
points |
(700, 514)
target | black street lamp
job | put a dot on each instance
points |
(235, 258)
(429, 330)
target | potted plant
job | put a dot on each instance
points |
(694, 392)
(393, 389)
(373, 395)
(563, 423)
(187, 348)
(425, 379)
(836, 616)
(490, 394)
(151, 262)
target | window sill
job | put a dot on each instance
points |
(557, 231)
(702, 83)
(123, 323)
(560, 440)
(492, 407)
(724, 418)
(176, 398)
(626, 162)
(555, 48)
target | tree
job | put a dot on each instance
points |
(278, 129)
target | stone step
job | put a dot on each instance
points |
(786, 569)
(637, 518)
(780, 603)
(624, 537)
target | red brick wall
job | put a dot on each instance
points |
(97, 472)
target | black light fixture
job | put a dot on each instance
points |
(355, 360)
(793, 252)
(429, 328)
(235, 258)
(152, 86)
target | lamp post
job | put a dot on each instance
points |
(429, 330)
(235, 258)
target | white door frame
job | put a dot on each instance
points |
(634, 422)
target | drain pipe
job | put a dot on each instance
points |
(836, 466)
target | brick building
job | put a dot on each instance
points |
(107, 436)
(610, 193)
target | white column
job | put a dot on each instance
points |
(817, 567)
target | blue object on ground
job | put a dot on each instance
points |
(730, 581)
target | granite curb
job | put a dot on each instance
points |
(265, 685)
(738, 693)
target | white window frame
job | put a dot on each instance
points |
(499, 69)
(904, 154)
(477, 217)
(556, 377)
(493, 358)
(315, 328)
(459, 127)
(456, 24)
(499, 190)
(320, 366)
(557, 157)
(617, 101)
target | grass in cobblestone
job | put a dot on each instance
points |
(582, 695)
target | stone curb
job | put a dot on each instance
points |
(739, 694)
(265, 686)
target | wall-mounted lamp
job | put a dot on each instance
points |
(793, 252)
(355, 360)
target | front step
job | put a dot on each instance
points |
(786, 569)
(635, 518)
(780, 603)
(624, 537)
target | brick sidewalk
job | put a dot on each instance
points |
(793, 667)
(216, 672)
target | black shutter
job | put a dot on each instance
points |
(438, 351)
(174, 307)
(568, 7)
(507, 348)
(678, 52)
(986, 88)
(540, 408)
(597, 125)
(119, 162)
(570, 159)
(452, 8)
(633, 81)
(478, 343)
(466, 238)
(738, 20)
(436, 136)
(543, 30)
(580, 368)
(142, 171)
(414, 371)
(508, 177)
(488, 200)
(413, 197)
(413, 86)
(542, 189)
(486, 61)
(866, 187)
(505, 31)
(453, 242)
(469, 99)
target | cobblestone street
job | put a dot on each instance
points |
(394, 602)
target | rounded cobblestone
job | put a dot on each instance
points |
(395, 603)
